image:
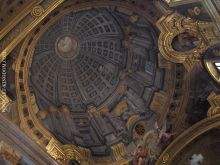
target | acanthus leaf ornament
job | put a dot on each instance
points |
(214, 101)
(5, 101)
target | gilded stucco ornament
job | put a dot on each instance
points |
(173, 26)
(37, 11)
(63, 153)
(54, 149)
(214, 101)
(118, 151)
(4, 101)
(165, 158)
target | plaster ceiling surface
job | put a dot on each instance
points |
(82, 61)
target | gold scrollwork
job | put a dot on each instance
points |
(55, 150)
(214, 101)
(4, 101)
(63, 153)
(165, 158)
(37, 11)
(173, 25)
(118, 151)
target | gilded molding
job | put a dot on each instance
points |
(55, 150)
(4, 101)
(172, 25)
(79, 154)
(19, 17)
(214, 101)
(118, 151)
(27, 107)
(37, 11)
(62, 153)
(212, 70)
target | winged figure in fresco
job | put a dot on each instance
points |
(151, 145)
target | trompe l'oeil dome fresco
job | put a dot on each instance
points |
(95, 59)
(103, 82)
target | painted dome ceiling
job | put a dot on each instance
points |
(110, 81)
(90, 59)
(81, 59)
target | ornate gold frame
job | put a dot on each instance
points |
(173, 24)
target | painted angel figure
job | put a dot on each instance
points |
(196, 159)
(163, 135)
(140, 154)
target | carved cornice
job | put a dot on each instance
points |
(63, 153)
(55, 150)
(131, 121)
